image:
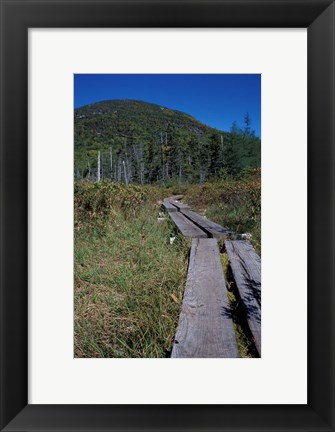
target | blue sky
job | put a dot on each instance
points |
(215, 99)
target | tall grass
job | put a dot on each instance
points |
(235, 204)
(129, 279)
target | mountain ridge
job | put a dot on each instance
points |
(169, 143)
(133, 107)
(153, 104)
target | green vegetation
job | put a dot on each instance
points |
(129, 279)
(233, 203)
(145, 143)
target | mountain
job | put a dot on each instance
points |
(143, 142)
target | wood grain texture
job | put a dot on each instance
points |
(168, 206)
(246, 270)
(185, 226)
(213, 229)
(205, 327)
(179, 205)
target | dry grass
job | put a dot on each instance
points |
(129, 279)
(129, 282)
(235, 204)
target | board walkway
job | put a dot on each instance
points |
(175, 197)
(245, 265)
(186, 227)
(205, 327)
(213, 229)
(179, 205)
(168, 206)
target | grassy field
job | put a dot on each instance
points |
(129, 279)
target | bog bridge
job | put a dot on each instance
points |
(205, 328)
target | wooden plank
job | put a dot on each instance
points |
(179, 205)
(213, 229)
(246, 269)
(185, 226)
(205, 327)
(168, 206)
(175, 197)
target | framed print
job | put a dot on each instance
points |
(43, 46)
(281, 58)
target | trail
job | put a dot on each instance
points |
(205, 328)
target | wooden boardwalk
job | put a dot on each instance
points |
(168, 206)
(246, 269)
(186, 227)
(211, 228)
(179, 205)
(205, 327)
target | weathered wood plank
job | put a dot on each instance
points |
(246, 270)
(175, 197)
(205, 327)
(179, 205)
(213, 229)
(185, 226)
(168, 206)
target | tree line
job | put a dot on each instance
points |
(148, 154)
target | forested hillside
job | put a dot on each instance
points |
(135, 141)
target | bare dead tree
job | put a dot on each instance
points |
(98, 172)
(141, 162)
(125, 172)
(111, 162)
(142, 172)
(126, 163)
(119, 173)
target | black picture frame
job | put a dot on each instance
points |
(318, 16)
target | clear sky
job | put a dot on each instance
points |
(215, 99)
